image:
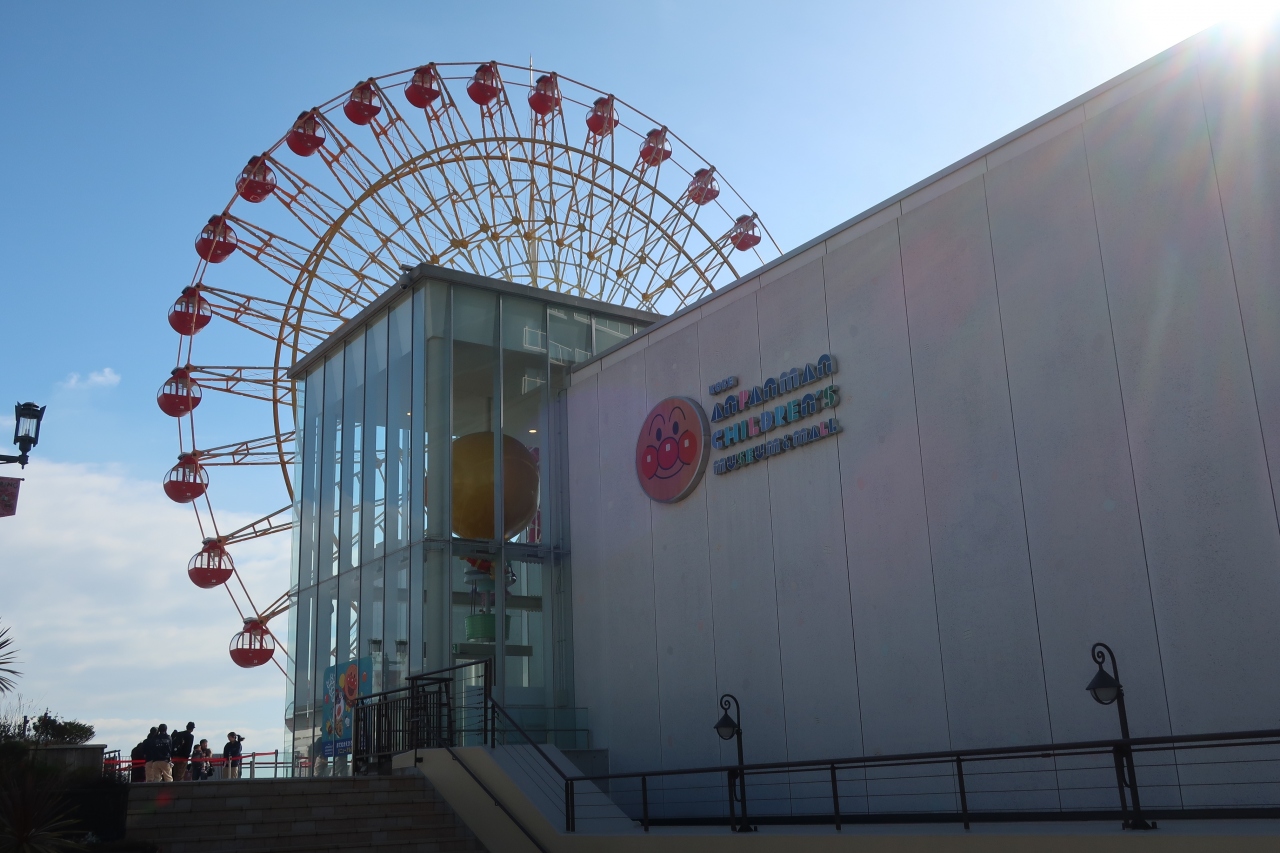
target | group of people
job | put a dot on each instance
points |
(162, 757)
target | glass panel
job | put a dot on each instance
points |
(309, 440)
(528, 644)
(568, 337)
(396, 619)
(610, 332)
(352, 448)
(303, 639)
(399, 422)
(433, 300)
(330, 467)
(436, 608)
(475, 412)
(323, 668)
(338, 679)
(372, 628)
(559, 614)
(524, 415)
(374, 456)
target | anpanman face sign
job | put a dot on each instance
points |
(672, 450)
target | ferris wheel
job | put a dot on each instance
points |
(523, 176)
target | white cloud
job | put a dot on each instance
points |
(104, 378)
(110, 629)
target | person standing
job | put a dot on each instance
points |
(138, 761)
(182, 744)
(160, 751)
(200, 761)
(231, 754)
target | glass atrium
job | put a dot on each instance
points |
(401, 415)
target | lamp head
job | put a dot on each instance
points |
(1104, 688)
(726, 727)
(26, 425)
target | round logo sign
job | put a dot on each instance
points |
(672, 450)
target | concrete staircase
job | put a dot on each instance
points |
(382, 814)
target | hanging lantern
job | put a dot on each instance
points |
(745, 233)
(703, 189)
(216, 241)
(252, 646)
(424, 88)
(256, 180)
(186, 481)
(190, 313)
(179, 395)
(363, 104)
(211, 567)
(306, 136)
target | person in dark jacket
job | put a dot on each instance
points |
(138, 762)
(182, 744)
(159, 752)
(231, 753)
(201, 767)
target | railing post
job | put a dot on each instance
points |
(644, 802)
(275, 764)
(964, 800)
(252, 762)
(733, 820)
(568, 806)
(835, 796)
(1120, 785)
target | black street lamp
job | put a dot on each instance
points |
(1106, 689)
(731, 727)
(26, 431)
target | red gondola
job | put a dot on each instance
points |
(212, 566)
(253, 646)
(424, 88)
(186, 481)
(745, 234)
(655, 148)
(703, 189)
(216, 241)
(179, 395)
(363, 104)
(256, 180)
(602, 118)
(485, 85)
(190, 313)
(545, 97)
(307, 134)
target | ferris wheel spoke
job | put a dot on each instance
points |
(266, 317)
(275, 522)
(268, 384)
(267, 450)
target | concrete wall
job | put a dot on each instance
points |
(1059, 365)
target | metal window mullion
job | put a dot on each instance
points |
(499, 523)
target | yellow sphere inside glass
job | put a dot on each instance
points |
(473, 486)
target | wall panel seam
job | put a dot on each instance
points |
(1128, 438)
(1017, 462)
(924, 486)
(853, 625)
(1244, 333)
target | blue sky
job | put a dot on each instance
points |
(127, 123)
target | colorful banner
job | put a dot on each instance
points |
(9, 495)
(342, 684)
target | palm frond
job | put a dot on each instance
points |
(8, 657)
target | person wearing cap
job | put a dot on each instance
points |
(182, 744)
(159, 750)
(231, 755)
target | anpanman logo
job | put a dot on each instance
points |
(672, 450)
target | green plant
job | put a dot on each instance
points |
(7, 660)
(34, 817)
(49, 729)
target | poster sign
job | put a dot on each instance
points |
(672, 449)
(9, 495)
(342, 684)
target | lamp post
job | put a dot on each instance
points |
(1106, 689)
(26, 431)
(731, 727)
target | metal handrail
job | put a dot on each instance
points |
(526, 736)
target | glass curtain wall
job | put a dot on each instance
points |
(431, 515)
